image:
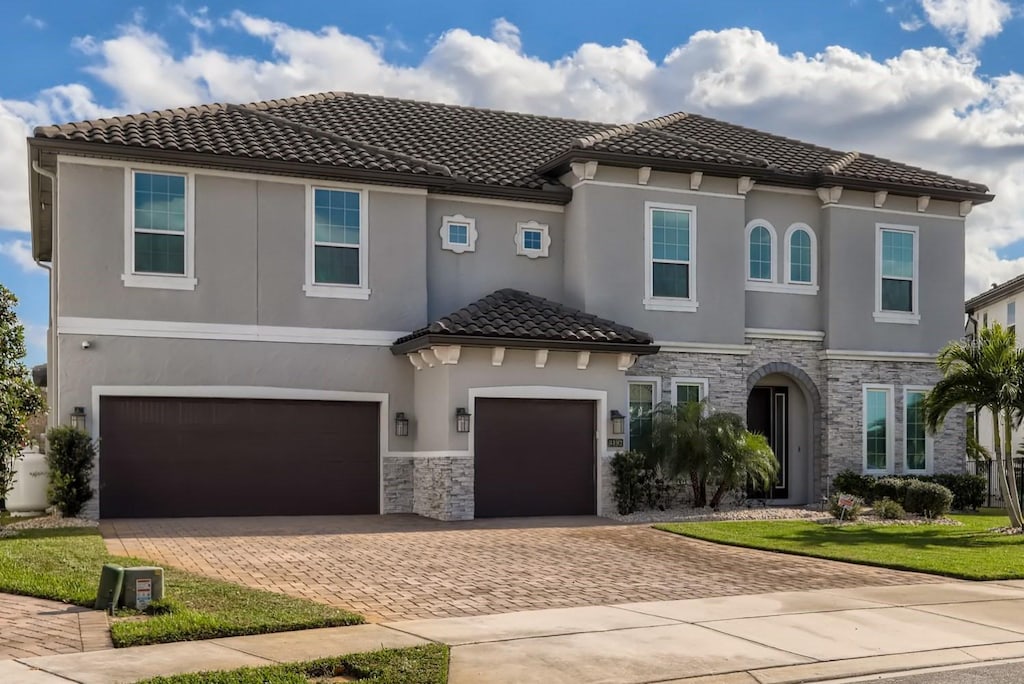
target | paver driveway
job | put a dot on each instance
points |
(406, 567)
(34, 627)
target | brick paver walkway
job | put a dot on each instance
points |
(34, 627)
(406, 567)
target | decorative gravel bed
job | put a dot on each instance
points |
(50, 522)
(724, 513)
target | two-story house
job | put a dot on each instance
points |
(343, 303)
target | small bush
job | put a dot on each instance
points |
(71, 456)
(887, 509)
(929, 499)
(893, 488)
(839, 513)
(969, 491)
(634, 481)
(850, 482)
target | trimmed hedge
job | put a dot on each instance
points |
(968, 491)
(929, 499)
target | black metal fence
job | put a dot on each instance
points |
(987, 469)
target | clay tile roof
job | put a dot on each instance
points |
(486, 147)
(516, 315)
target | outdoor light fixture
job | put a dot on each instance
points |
(462, 417)
(618, 423)
(78, 418)
(401, 425)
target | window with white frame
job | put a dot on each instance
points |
(896, 284)
(687, 390)
(878, 422)
(336, 254)
(916, 440)
(159, 242)
(801, 255)
(458, 234)
(1011, 316)
(760, 252)
(670, 246)
(533, 239)
(643, 397)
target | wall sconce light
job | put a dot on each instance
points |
(618, 423)
(78, 418)
(462, 417)
(401, 425)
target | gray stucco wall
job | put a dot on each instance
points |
(454, 280)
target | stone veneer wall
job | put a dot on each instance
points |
(443, 487)
(837, 438)
(397, 472)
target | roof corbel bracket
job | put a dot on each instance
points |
(965, 207)
(540, 358)
(922, 202)
(449, 355)
(830, 195)
(643, 174)
(880, 198)
(589, 170)
(744, 184)
(582, 360)
(429, 357)
(497, 356)
(416, 360)
(626, 361)
(696, 177)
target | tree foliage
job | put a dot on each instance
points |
(19, 398)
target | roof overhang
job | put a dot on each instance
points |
(432, 340)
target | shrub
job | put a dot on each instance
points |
(929, 499)
(969, 491)
(893, 488)
(71, 456)
(634, 481)
(850, 482)
(850, 514)
(887, 509)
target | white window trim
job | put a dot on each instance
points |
(912, 317)
(1013, 323)
(162, 281)
(811, 287)
(337, 290)
(929, 442)
(890, 427)
(701, 382)
(545, 239)
(774, 238)
(655, 395)
(471, 234)
(652, 303)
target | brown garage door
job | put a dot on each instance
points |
(170, 457)
(534, 457)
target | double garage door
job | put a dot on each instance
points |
(170, 457)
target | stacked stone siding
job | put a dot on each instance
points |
(443, 487)
(398, 473)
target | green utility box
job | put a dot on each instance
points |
(111, 581)
(142, 586)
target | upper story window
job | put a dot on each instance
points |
(159, 244)
(533, 239)
(1011, 316)
(896, 286)
(458, 234)
(878, 428)
(760, 252)
(917, 441)
(336, 249)
(670, 240)
(801, 256)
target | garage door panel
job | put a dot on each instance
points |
(164, 457)
(534, 457)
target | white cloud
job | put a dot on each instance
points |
(967, 23)
(924, 106)
(199, 20)
(20, 252)
(912, 24)
(34, 22)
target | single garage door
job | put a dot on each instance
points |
(534, 457)
(176, 457)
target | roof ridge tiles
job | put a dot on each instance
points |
(660, 122)
(121, 119)
(841, 163)
(606, 134)
(316, 132)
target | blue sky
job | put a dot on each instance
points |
(932, 82)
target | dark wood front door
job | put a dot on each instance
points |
(178, 457)
(768, 414)
(534, 457)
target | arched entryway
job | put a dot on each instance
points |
(783, 403)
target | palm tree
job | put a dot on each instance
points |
(678, 444)
(737, 457)
(986, 372)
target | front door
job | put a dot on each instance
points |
(768, 414)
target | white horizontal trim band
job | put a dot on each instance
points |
(705, 348)
(864, 355)
(658, 188)
(892, 211)
(73, 325)
(514, 204)
(781, 334)
(782, 288)
(429, 454)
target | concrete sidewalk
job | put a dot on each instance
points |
(758, 639)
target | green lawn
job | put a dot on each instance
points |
(417, 665)
(967, 552)
(64, 565)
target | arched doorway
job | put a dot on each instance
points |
(783, 403)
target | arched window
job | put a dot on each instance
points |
(760, 251)
(801, 255)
